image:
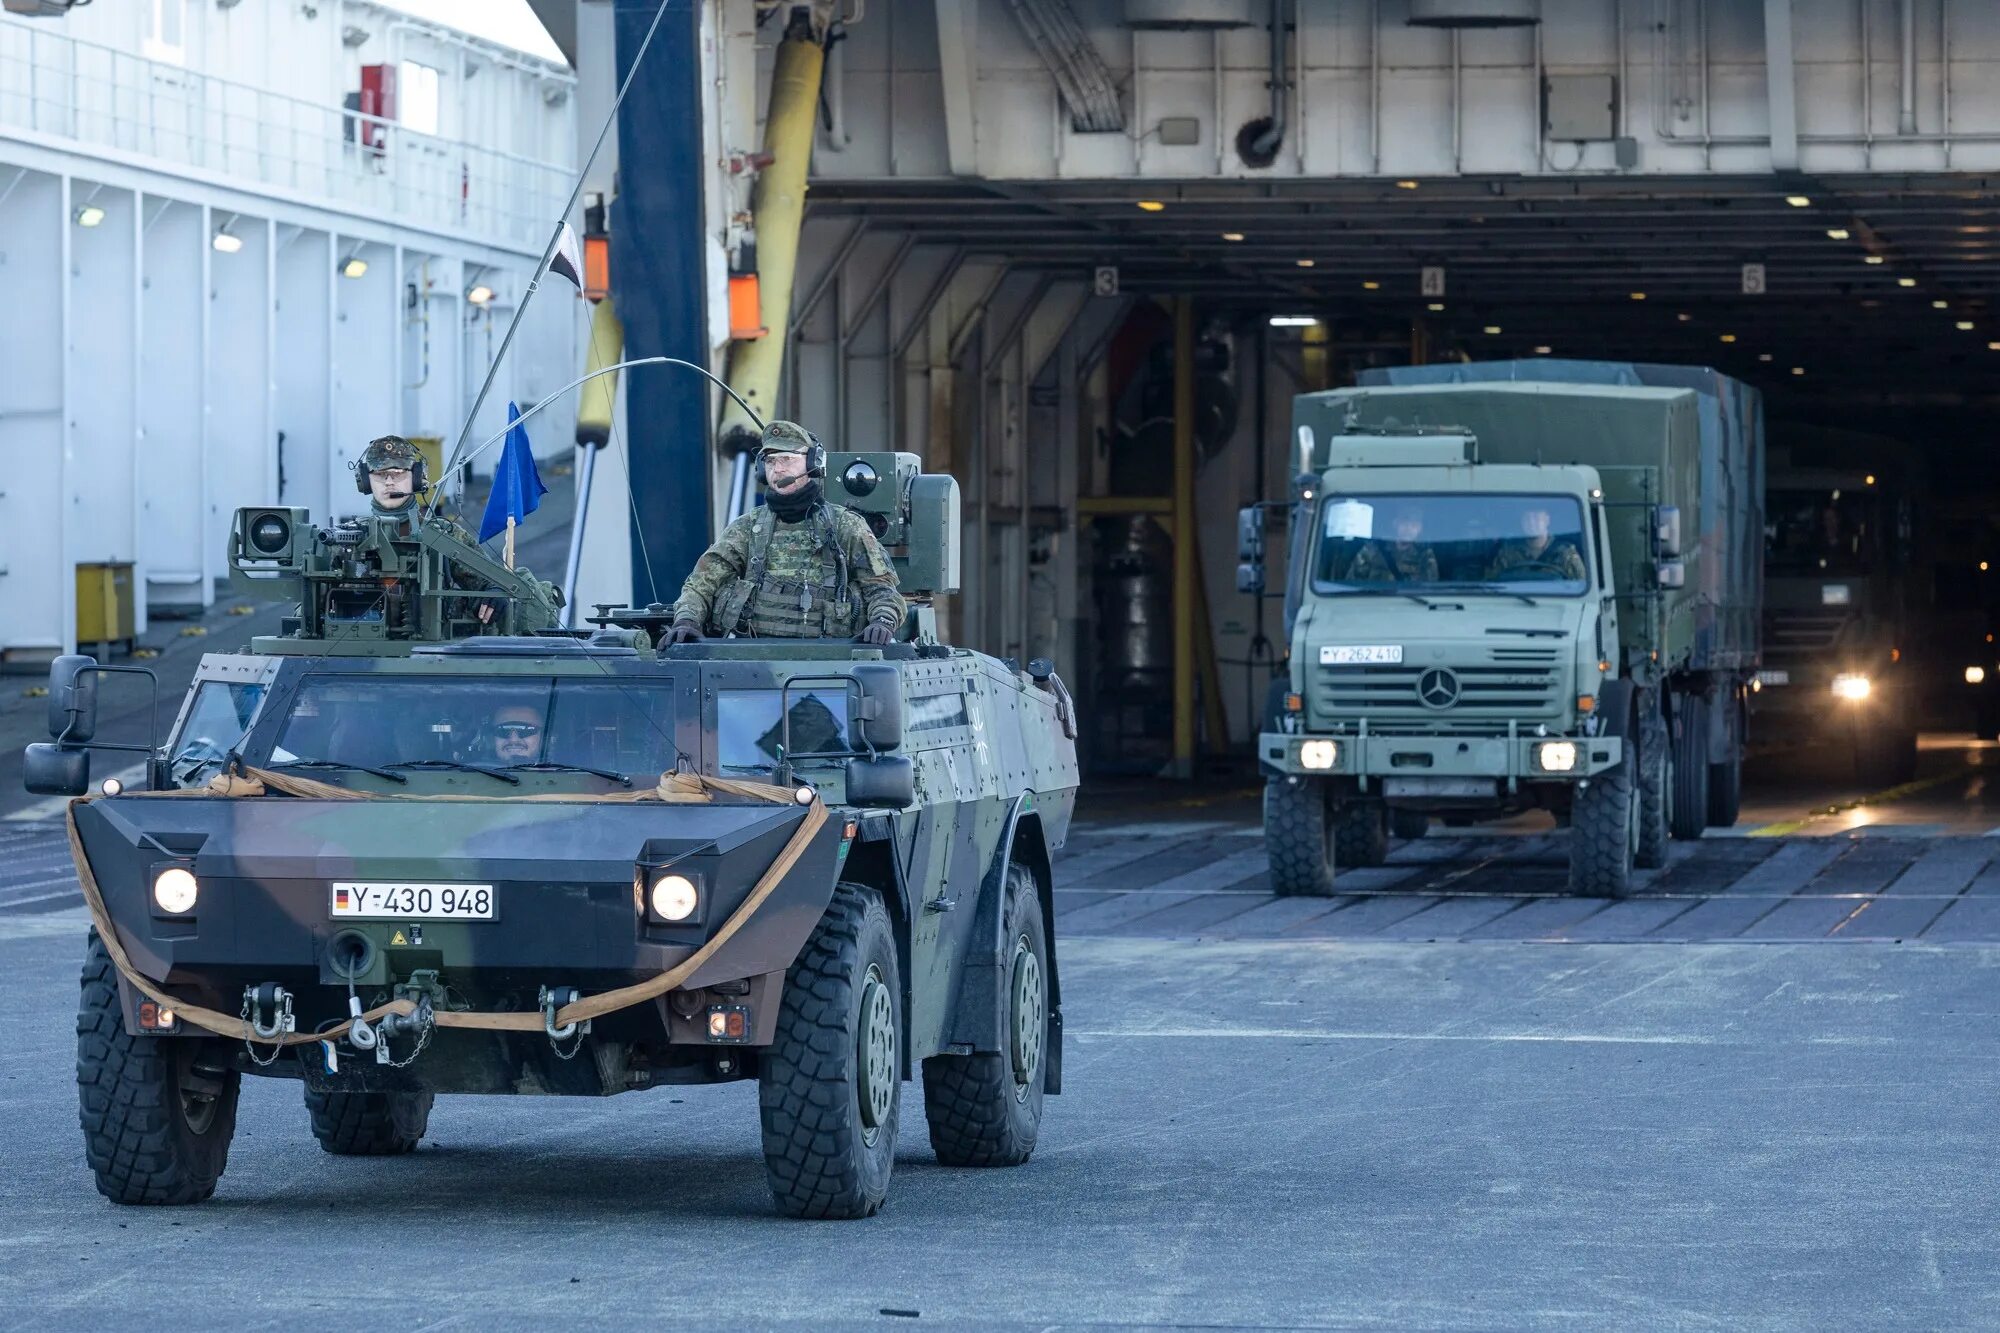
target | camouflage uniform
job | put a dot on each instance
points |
(1556, 555)
(1385, 562)
(825, 576)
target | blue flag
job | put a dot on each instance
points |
(517, 487)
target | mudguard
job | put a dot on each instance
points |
(979, 1019)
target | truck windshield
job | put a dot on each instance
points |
(1452, 543)
(1821, 532)
(380, 721)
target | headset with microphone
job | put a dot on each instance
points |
(419, 480)
(815, 453)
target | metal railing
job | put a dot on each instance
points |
(56, 87)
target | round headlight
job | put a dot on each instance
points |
(270, 534)
(1975, 675)
(859, 478)
(674, 897)
(175, 890)
(1318, 754)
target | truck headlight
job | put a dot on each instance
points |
(674, 897)
(1852, 686)
(1556, 756)
(1975, 675)
(175, 890)
(1319, 754)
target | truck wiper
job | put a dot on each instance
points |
(621, 779)
(505, 777)
(1501, 590)
(1366, 591)
(335, 763)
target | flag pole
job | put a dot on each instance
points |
(510, 541)
(549, 252)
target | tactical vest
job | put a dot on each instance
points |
(767, 605)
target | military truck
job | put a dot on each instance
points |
(1498, 600)
(571, 863)
(1843, 661)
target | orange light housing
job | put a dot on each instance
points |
(746, 308)
(1586, 703)
(1295, 703)
(597, 267)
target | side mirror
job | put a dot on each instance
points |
(73, 698)
(51, 770)
(878, 721)
(1667, 527)
(1250, 577)
(1672, 574)
(1250, 532)
(890, 781)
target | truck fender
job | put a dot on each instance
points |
(979, 1019)
(1614, 705)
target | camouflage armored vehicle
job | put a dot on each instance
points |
(567, 863)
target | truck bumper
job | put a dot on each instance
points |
(1433, 766)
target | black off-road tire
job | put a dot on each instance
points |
(1602, 836)
(1725, 780)
(1690, 814)
(369, 1124)
(1655, 793)
(985, 1110)
(1298, 837)
(1360, 835)
(818, 1150)
(1409, 825)
(149, 1136)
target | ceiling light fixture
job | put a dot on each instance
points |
(480, 294)
(1232, 235)
(1492, 329)
(1940, 305)
(1371, 286)
(1729, 337)
(1763, 356)
(1873, 259)
(1684, 317)
(1837, 233)
(1906, 282)
(1303, 263)
(1293, 321)
(353, 267)
(1798, 201)
(1638, 296)
(1543, 350)
(1965, 326)
(89, 215)
(1406, 185)
(1798, 370)
(1435, 307)
(1151, 205)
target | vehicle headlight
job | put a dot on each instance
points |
(1318, 754)
(1852, 686)
(175, 889)
(674, 898)
(1975, 675)
(1556, 756)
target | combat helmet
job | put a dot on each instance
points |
(386, 453)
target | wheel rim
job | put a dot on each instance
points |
(1030, 1017)
(875, 1049)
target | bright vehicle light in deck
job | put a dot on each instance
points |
(674, 897)
(175, 890)
(1556, 756)
(1975, 675)
(1852, 686)
(1318, 754)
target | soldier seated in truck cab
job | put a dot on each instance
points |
(1404, 560)
(1536, 552)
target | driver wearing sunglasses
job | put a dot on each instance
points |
(516, 730)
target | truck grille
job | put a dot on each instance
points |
(1798, 632)
(1512, 683)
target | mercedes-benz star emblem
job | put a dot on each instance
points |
(1437, 688)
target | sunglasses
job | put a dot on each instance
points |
(519, 730)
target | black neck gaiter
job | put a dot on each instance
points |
(795, 506)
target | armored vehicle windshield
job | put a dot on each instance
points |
(1451, 543)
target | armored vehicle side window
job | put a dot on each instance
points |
(1822, 532)
(749, 732)
(1452, 543)
(378, 721)
(216, 721)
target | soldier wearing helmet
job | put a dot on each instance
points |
(392, 473)
(796, 567)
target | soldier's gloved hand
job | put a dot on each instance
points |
(684, 631)
(877, 633)
(489, 610)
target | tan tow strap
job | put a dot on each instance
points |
(674, 787)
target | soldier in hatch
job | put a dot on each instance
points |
(391, 474)
(1404, 560)
(797, 567)
(1534, 551)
